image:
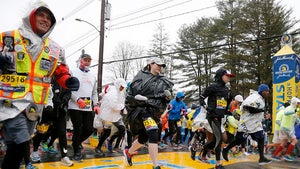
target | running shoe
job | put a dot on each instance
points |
(276, 158)
(264, 161)
(225, 155)
(246, 154)
(99, 151)
(78, 156)
(220, 166)
(44, 146)
(35, 157)
(178, 147)
(128, 157)
(66, 162)
(30, 166)
(203, 159)
(193, 152)
(288, 158)
(52, 150)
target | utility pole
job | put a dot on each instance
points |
(101, 47)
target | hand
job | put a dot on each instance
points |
(81, 103)
(73, 83)
(6, 65)
(97, 109)
(168, 94)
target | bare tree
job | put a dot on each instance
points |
(127, 68)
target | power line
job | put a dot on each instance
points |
(75, 41)
(82, 46)
(80, 7)
(171, 16)
(142, 9)
(150, 13)
(195, 49)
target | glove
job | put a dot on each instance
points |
(47, 111)
(140, 97)
(6, 66)
(97, 109)
(73, 83)
(168, 94)
(81, 103)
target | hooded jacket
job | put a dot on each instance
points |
(34, 44)
(152, 87)
(218, 97)
(113, 102)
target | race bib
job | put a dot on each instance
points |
(12, 82)
(221, 103)
(87, 101)
(150, 124)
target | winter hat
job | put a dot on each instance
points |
(263, 87)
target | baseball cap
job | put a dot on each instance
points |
(229, 74)
(239, 98)
(83, 56)
(156, 60)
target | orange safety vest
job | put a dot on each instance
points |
(233, 106)
(31, 75)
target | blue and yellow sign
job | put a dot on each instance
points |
(285, 78)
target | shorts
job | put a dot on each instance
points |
(283, 134)
(16, 129)
(276, 137)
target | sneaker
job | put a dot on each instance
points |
(35, 157)
(78, 156)
(246, 154)
(193, 152)
(288, 158)
(276, 158)
(30, 166)
(178, 147)
(220, 166)
(162, 146)
(264, 161)
(128, 157)
(225, 155)
(44, 146)
(99, 151)
(118, 150)
(52, 150)
(157, 167)
(203, 159)
(109, 146)
(66, 162)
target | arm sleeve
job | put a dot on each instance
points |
(61, 75)
(95, 94)
(252, 110)
(231, 121)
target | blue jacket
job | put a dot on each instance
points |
(177, 106)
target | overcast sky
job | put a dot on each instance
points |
(131, 20)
